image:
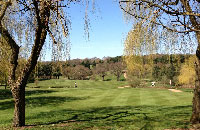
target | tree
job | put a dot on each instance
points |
(137, 46)
(86, 63)
(81, 72)
(28, 24)
(177, 16)
(45, 70)
(187, 72)
(117, 69)
(57, 72)
(165, 66)
(101, 69)
(67, 71)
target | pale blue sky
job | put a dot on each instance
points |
(108, 30)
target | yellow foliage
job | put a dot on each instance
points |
(138, 43)
(187, 72)
(135, 66)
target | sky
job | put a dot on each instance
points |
(108, 30)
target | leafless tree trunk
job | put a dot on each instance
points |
(195, 118)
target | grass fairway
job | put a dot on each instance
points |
(99, 105)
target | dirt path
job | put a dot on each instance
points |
(175, 90)
(125, 87)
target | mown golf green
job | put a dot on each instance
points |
(56, 104)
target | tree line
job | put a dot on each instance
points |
(173, 69)
(163, 69)
(76, 69)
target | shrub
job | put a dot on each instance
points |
(165, 80)
(134, 81)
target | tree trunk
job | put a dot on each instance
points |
(5, 82)
(195, 118)
(19, 112)
(118, 78)
(103, 77)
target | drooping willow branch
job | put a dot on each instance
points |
(181, 15)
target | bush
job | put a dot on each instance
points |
(165, 80)
(134, 81)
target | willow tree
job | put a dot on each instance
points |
(187, 72)
(177, 16)
(25, 25)
(138, 44)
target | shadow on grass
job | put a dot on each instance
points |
(41, 101)
(38, 92)
(6, 93)
(107, 79)
(142, 117)
(188, 90)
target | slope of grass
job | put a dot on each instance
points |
(98, 105)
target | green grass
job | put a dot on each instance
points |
(99, 105)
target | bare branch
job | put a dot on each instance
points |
(65, 32)
(192, 18)
(174, 12)
(51, 34)
(35, 3)
(165, 8)
(173, 3)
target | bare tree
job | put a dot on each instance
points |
(117, 69)
(67, 72)
(101, 70)
(181, 16)
(81, 72)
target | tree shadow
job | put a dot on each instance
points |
(38, 92)
(6, 93)
(107, 79)
(41, 101)
(188, 90)
(143, 117)
(68, 86)
(6, 105)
